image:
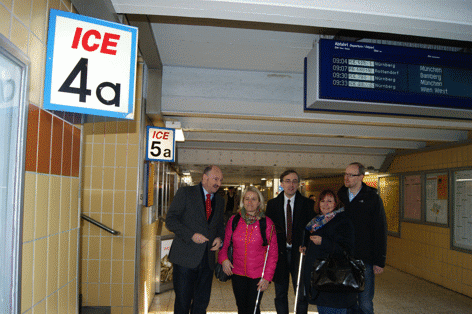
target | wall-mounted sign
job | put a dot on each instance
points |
(357, 77)
(160, 144)
(90, 66)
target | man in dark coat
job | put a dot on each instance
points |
(365, 209)
(196, 218)
(289, 239)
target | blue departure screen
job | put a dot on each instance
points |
(392, 74)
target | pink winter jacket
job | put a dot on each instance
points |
(248, 252)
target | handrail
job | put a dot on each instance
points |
(99, 224)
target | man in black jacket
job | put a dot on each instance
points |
(289, 239)
(365, 208)
(196, 218)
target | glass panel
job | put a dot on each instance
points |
(390, 193)
(12, 122)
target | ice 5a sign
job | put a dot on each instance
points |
(160, 144)
(90, 66)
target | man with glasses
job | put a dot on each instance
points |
(365, 208)
(290, 211)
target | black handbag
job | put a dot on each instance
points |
(338, 273)
(219, 273)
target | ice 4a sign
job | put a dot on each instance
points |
(90, 66)
(160, 144)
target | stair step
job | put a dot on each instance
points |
(95, 310)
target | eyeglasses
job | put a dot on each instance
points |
(350, 175)
(290, 181)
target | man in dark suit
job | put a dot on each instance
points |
(196, 218)
(300, 211)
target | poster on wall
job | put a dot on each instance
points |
(462, 210)
(166, 265)
(412, 197)
(437, 198)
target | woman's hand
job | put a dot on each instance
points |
(316, 239)
(302, 249)
(262, 285)
(227, 267)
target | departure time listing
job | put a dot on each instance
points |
(359, 73)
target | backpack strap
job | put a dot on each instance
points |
(263, 225)
(235, 221)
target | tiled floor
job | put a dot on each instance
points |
(396, 292)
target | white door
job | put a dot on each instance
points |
(13, 115)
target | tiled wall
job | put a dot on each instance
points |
(51, 227)
(110, 196)
(424, 250)
(50, 218)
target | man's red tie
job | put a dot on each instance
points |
(289, 223)
(208, 206)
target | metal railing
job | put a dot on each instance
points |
(99, 224)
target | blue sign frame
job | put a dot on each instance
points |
(50, 58)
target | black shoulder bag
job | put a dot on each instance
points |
(338, 273)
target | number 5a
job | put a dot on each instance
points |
(81, 68)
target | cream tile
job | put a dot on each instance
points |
(40, 270)
(121, 155)
(53, 264)
(105, 295)
(128, 272)
(93, 293)
(74, 203)
(117, 293)
(39, 19)
(36, 53)
(29, 206)
(51, 304)
(41, 214)
(128, 294)
(105, 271)
(105, 248)
(63, 258)
(120, 179)
(73, 298)
(6, 18)
(65, 204)
(19, 35)
(108, 178)
(98, 155)
(54, 204)
(23, 11)
(117, 271)
(27, 276)
(130, 248)
(97, 178)
(63, 302)
(131, 202)
(73, 257)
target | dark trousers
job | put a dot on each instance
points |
(192, 288)
(245, 293)
(281, 290)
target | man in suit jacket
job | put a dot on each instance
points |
(289, 256)
(199, 230)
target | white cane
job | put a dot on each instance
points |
(263, 271)
(298, 282)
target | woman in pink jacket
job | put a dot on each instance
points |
(249, 252)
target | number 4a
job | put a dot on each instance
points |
(81, 68)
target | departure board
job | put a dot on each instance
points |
(410, 79)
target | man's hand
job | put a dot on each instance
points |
(216, 244)
(378, 270)
(199, 238)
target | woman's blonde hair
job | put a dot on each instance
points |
(259, 195)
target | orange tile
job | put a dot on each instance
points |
(32, 138)
(56, 156)
(44, 141)
(67, 150)
(75, 152)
